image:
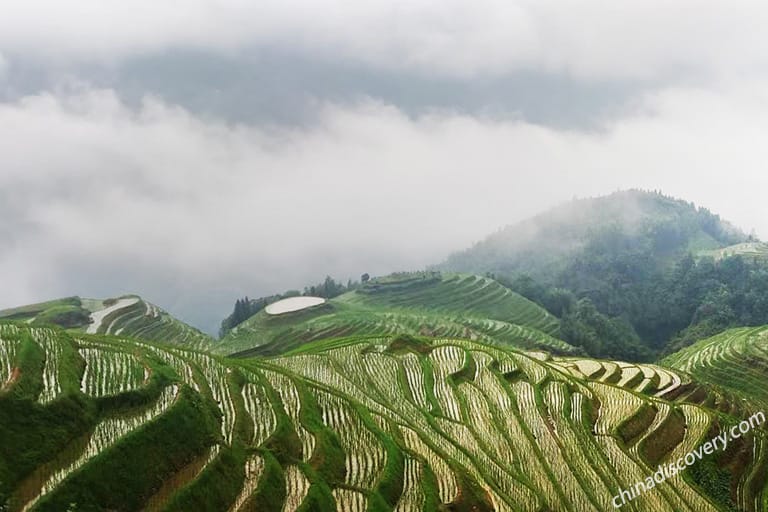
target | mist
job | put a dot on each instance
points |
(113, 183)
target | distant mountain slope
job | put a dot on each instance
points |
(128, 315)
(417, 303)
(545, 245)
(628, 266)
(354, 424)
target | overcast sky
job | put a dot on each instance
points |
(195, 155)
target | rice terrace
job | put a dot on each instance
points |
(377, 256)
(416, 391)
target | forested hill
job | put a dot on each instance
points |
(630, 269)
(633, 221)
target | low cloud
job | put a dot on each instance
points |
(98, 198)
(636, 39)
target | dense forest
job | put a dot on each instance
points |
(636, 312)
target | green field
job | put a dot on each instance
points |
(99, 422)
(452, 305)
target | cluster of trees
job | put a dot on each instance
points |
(245, 308)
(329, 288)
(581, 323)
(709, 297)
(622, 304)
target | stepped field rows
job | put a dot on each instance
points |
(128, 316)
(469, 295)
(131, 316)
(106, 376)
(756, 251)
(397, 423)
(349, 323)
(106, 434)
(8, 348)
(642, 378)
(451, 306)
(48, 342)
(735, 360)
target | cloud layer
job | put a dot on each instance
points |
(636, 39)
(227, 148)
(100, 198)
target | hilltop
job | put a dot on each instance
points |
(362, 423)
(431, 303)
(634, 265)
(642, 222)
(127, 315)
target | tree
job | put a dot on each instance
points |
(365, 278)
(600, 336)
(329, 288)
(244, 309)
(558, 301)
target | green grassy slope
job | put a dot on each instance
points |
(735, 360)
(128, 315)
(420, 303)
(353, 424)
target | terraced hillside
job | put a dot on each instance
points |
(464, 294)
(641, 378)
(751, 250)
(128, 315)
(735, 360)
(346, 323)
(454, 305)
(351, 424)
